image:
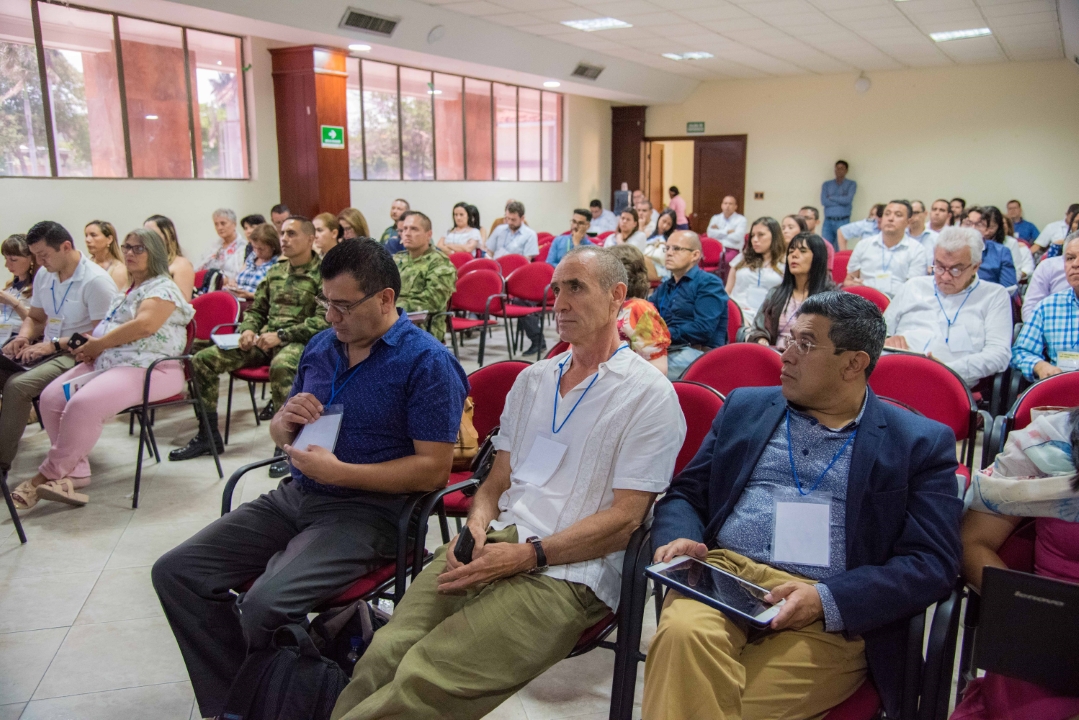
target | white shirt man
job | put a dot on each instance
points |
(888, 259)
(939, 215)
(1022, 258)
(513, 237)
(1054, 232)
(918, 229)
(77, 304)
(602, 220)
(728, 226)
(959, 319)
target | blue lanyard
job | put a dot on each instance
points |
(759, 278)
(951, 321)
(57, 308)
(334, 390)
(790, 452)
(883, 267)
(558, 386)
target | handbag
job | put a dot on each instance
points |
(468, 440)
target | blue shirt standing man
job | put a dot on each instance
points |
(692, 302)
(837, 197)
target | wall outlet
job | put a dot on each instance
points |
(758, 196)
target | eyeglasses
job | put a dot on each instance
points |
(675, 248)
(327, 305)
(803, 346)
(133, 249)
(953, 271)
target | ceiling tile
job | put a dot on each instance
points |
(680, 5)
(728, 27)
(529, 5)
(724, 11)
(479, 8)
(559, 15)
(656, 19)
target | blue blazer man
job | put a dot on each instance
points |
(902, 515)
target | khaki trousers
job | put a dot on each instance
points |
(700, 665)
(461, 656)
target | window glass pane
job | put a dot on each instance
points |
(551, 135)
(355, 121)
(449, 144)
(380, 121)
(417, 93)
(23, 145)
(216, 61)
(505, 132)
(84, 88)
(478, 129)
(528, 137)
(156, 89)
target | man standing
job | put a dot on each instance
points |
(229, 256)
(279, 213)
(1055, 232)
(575, 238)
(728, 226)
(391, 236)
(692, 302)
(427, 275)
(888, 259)
(918, 231)
(837, 197)
(602, 220)
(811, 216)
(940, 215)
(282, 318)
(1046, 345)
(1024, 230)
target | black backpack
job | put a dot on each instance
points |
(344, 634)
(290, 680)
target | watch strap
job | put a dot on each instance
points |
(541, 556)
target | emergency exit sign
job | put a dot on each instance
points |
(694, 127)
(333, 136)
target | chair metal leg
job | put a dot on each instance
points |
(254, 404)
(131, 423)
(228, 411)
(263, 391)
(37, 410)
(153, 443)
(11, 509)
(443, 524)
(138, 466)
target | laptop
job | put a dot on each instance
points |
(13, 366)
(1028, 629)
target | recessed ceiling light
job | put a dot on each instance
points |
(151, 117)
(552, 84)
(688, 56)
(960, 34)
(359, 47)
(606, 23)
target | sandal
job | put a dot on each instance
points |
(62, 490)
(24, 496)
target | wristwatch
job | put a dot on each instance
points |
(541, 557)
(56, 344)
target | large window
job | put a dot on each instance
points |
(125, 97)
(411, 124)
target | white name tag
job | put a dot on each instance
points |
(880, 281)
(322, 432)
(959, 340)
(1068, 360)
(9, 328)
(542, 462)
(802, 533)
(53, 328)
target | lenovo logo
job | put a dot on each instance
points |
(1036, 598)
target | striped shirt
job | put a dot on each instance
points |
(1053, 328)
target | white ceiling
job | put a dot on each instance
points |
(760, 38)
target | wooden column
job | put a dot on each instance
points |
(627, 135)
(309, 92)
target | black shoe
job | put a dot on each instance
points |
(199, 445)
(280, 468)
(535, 349)
(267, 412)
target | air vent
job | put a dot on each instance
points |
(369, 22)
(586, 71)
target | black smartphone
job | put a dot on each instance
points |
(464, 547)
(76, 341)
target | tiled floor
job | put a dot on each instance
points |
(81, 632)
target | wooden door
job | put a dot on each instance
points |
(719, 169)
(655, 175)
(627, 133)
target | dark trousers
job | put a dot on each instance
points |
(304, 548)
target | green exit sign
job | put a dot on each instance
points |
(694, 127)
(333, 136)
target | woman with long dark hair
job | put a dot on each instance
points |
(463, 236)
(759, 268)
(15, 297)
(805, 274)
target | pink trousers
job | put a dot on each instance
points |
(74, 426)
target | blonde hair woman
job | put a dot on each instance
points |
(353, 224)
(105, 250)
(181, 269)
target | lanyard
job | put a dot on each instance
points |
(334, 390)
(759, 277)
(883, 267)
(57, 308)
(790, 452)
(558, 386)
(951, 321)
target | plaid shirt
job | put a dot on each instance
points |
(1053, 328)
(250, 277)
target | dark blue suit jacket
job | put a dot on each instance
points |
(902, 517)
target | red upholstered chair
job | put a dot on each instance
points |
(511, 262)
(603, 236)
(459, 258)
(736, 365)
(711, 251)
(700, 404)
(734, 320)
(212, 310)
(480, 293)
(839, 265)
(479, 264)
(531, 283)
(544, 251)
(559, 347)
(871, 294)
(1059, 390)
(544, 238)
(200, 275)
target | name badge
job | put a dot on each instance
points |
(802, 532)
(880, 281)
(959, 340)
(9, 328)
(542, 462)
(53, 328)
(1068, 360)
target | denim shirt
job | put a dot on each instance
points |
(694, 308)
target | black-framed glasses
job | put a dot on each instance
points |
(804, 346)
(133, 249)
(953, 271)
(675, 248)
(338, 307)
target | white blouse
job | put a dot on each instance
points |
(170, 339)
(637, 240)
(463, 237)
(752, 286)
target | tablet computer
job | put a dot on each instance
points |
(14, 366)
(716, 588)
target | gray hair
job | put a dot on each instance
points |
(1071, 237)
(608, 269)
(156, 251)
(954, 238)
(225, 213)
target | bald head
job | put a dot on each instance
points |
(683, 252)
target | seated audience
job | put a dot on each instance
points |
(1047, 474)
(1024, 230)
(354, 224)
(428, 277)
(656, 247)
(851, 233)
(279, 213)
(145, 324)
(71, 294)
(228, 256)
(514, 237)
(1055, 232)
(328, 232)
(250, 222)
(850, 577)
(805, 274)
(280, 321)
(639, 323)
(1048, 278)
(811, 216)
(546, 561)
(1022, 258)
(953, 315)
(917, 229)
(464, 236)
(728, 226)
(265, 249)
(692, 302)
(791, 225)
(19, 290)
(628, 232)
(997, 265)
(1046, 345)
(602, 220)
(940, 215)
(575, 238)
(678, 205)
(958, 207)
(391, 235)
(891, 257)
(647, 216)
(104, 250)
(309, 539)
(181, 269)
(759, 269)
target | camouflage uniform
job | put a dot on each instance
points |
(426, 284)
(284, 303)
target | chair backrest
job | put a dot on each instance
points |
(711, 250)
(479, 264)
(474, 289)
(200, 275)
(545, 250)
(736, 365)
(871, 294)
(929, 386)
(488, 388)
(603, 236)
(560, 347)
(734, 320)
(511, 262)
(213, 309)
(700, 404)
(839, 265)
(900, 404)
(544, 238)
(459, 258)
(1059, 390)
(530, 282)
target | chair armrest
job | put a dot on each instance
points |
(432, 501)
(940, 657)
(215, 328)
(230, 484)
(407, 521)
(913, 667)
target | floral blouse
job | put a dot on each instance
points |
(640, 324)
(170, 338)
